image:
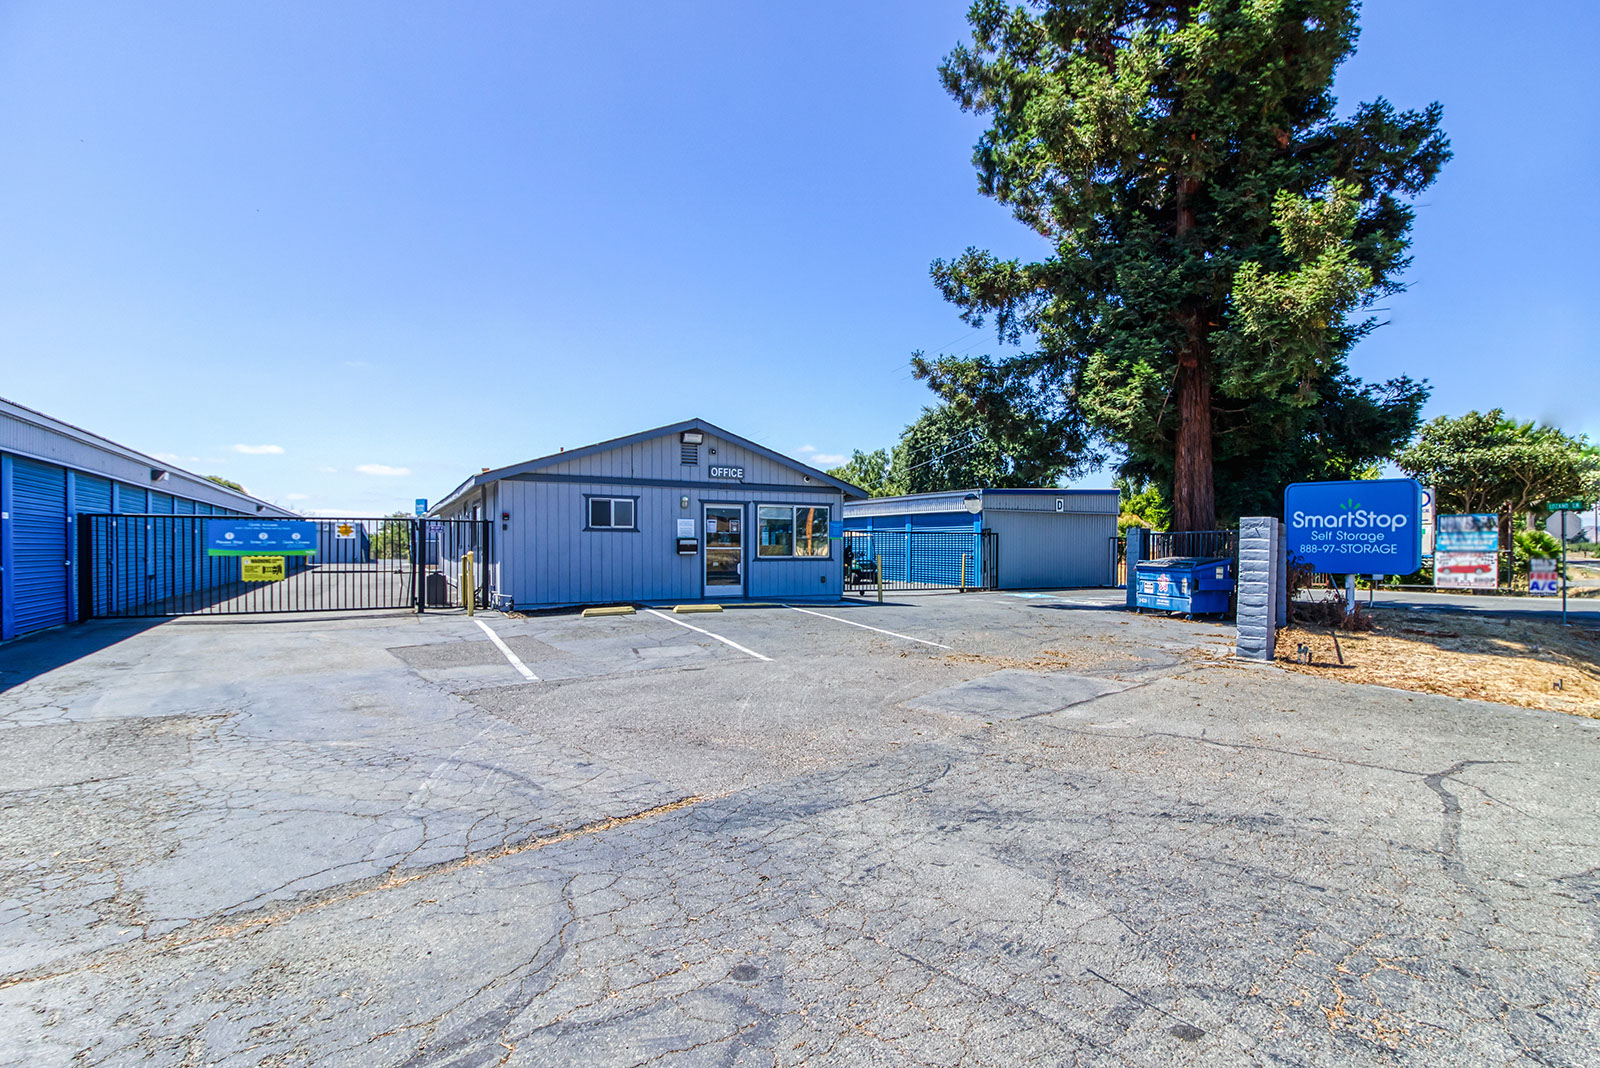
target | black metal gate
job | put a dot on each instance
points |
(920, 561)
(158, 565)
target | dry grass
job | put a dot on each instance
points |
(1512, 661)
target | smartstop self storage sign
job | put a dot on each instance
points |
(1356, 528)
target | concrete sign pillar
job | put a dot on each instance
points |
(1283, 575)
(1261, 564)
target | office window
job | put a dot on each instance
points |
(611, 513)
(786, 530)
(774, 530)
(811, 530)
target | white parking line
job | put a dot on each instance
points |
(863, 626)
(708, 634)
(516, 661)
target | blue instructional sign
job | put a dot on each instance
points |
(1472, 533)
(1370, 527)
(260, 537)
(422, 506)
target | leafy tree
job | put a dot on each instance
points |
(219, 480)
(951, 447)
(393, 539)
(1216, 232)
(1485, 462)
(1530, 545)
(1143, 505)
(868, 470)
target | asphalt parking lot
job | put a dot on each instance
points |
(968, 830)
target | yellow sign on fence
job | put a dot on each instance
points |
(261, 568)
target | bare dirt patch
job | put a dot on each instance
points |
(1089, 656)
(1532, 664)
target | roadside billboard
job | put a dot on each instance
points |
(1474, 533)
(1544, 578)
(1466, 571)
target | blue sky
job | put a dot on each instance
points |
(348, 254)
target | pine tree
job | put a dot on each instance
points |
(1219, 236)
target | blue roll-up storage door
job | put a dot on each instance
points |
(130, 499)
(38, 509)
(92, 494)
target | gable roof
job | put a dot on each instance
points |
(528, 466)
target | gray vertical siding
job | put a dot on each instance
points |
(1088, 502)
(545, 557)
(1042, 550)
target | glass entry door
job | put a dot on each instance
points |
(724, 550)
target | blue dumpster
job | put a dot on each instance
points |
(1193, 584)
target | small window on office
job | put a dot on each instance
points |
(811, 530)
(774, 531)
(610, 513)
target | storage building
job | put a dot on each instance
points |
(686, 512)
(51, 473)
(1034, 538)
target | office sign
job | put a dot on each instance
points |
(261, 569)
(736, 473)
(1475, 533)
(1367, 527)
(260, 537)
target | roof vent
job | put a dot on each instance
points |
(689, 454)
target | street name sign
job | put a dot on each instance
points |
(1365, 527)
(260, 537)
(1568, 506)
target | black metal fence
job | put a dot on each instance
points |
(1159, 544)
(159, 565)
(932, 561)
(1214, 544)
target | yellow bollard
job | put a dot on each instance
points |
(964, 571)
(880, 579)
(468, 586)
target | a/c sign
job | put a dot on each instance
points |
(1369, 527)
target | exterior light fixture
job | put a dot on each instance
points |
(692, 437)
(158, 475)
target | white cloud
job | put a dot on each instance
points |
(826, 459)
(295, 497)
(357, 363)
(806, 448)
(327, 470)
(382, 469)
(166, 457)
(259, 450)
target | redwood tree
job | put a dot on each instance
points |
(1219, 235)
